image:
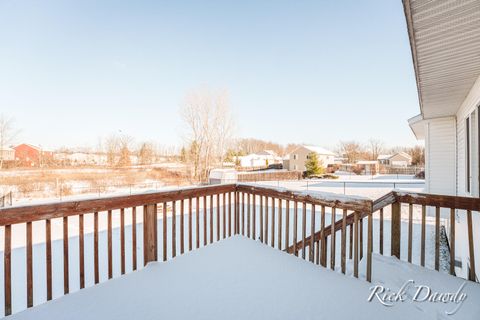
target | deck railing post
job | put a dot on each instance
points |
(396, 223)
(149, 243)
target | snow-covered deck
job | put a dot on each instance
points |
(236, 278)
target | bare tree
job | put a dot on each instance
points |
(146, 154)
(8, 133)
(352, 150)
(376, 147)
(209, 129)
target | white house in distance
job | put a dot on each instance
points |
(445, 42)
(299, 156)
(259, 159)
(400, 159)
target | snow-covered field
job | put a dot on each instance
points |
(365, 188)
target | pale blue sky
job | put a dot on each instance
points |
(297, 71)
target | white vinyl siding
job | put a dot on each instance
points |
(440, 164)
(468, 108)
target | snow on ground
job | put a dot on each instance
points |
(372, 187)
(232, 279)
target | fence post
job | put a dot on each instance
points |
(396, 223)
(149, 243)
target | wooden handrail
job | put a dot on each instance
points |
(327, 199)
(30, 213)
(437, 200)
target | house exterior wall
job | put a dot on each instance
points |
(7, 154)
(440, 162)
(30, 156)
(469, 108)
(299, 157)
(400, 160)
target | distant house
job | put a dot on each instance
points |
(260, 159)
(368, 167)
(384, 159)
(299, 156)
(400, 159)
(30, 155)
(7, 154)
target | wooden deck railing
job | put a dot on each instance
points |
(308, 224)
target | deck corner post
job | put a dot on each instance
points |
(149, 243)
(396, 223)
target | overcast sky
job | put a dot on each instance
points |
(296, 71)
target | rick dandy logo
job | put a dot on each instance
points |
(417, 293)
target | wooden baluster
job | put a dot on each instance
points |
(410, 231)
(134, 238)
(396, 229)
(243, 213)
(174, 229)
(422, 249)
(190, 229)
(182, 226)
(211, 218)
(224, 213)
(304, 228)
(287, 224)
(344, 241)
(230, 214)
(164, 223)
(273, 223)
(295, 228)
(65, 256)
(266, 220)
(110, 254)
(81, 250)
(471, 251)
(317, 257)
(312, 234)
(7, 270)
(437, 238)
(279, 232)
(236, 206)
(122, 241)
(248, 215)
(369, 246)
(149, 241)
(205, 220)
(361, 238)
(452, 241)
(323, 245)
(332, 239)
(381, 232)
(261, 219)
(350, 238)
(355, 244)
(254, 231)
(155, 229)
(29, 252)
(197, 223)
(95, 248)
(48, 257)
(218, 217)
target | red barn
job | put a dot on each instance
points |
(29, 155)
